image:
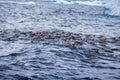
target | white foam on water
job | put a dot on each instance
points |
(16, 2)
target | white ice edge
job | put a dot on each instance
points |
(96, 3)
(16, 2)
(112, 7)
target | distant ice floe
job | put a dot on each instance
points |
(111, 7)
(97, 3)
(16, 2)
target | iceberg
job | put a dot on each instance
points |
(111, 7)
(19, 2)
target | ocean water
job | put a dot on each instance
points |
(59, 40)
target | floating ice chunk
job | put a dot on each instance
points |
(16, 2)
(27, 3)
(112, 7)
(81, 2)
(64, 1)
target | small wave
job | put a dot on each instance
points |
(16, 2)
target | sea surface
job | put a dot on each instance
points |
(59, 40)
